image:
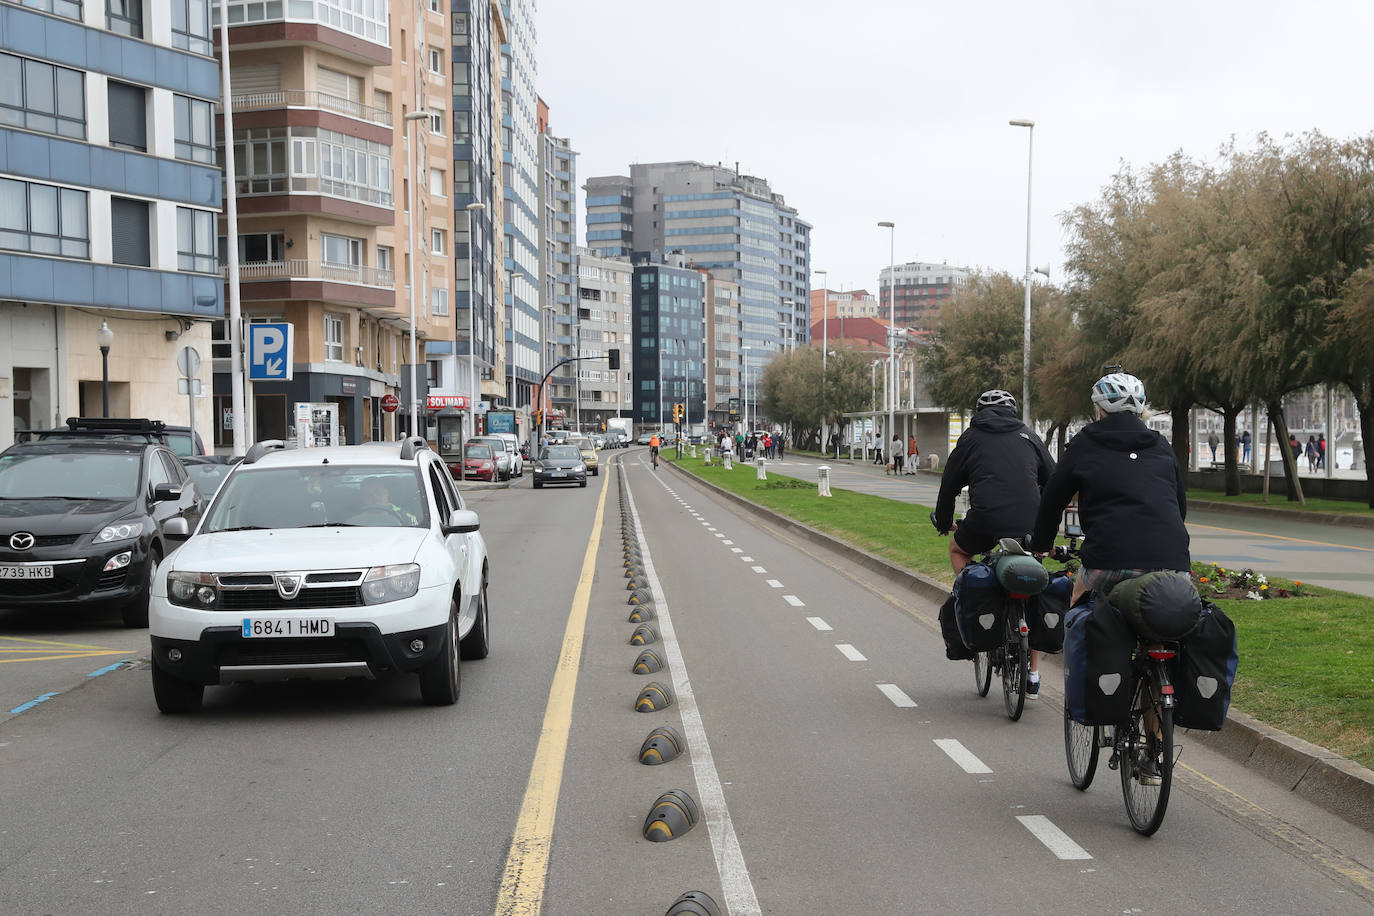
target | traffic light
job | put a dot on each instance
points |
(538, 417)
(677, 413)
(613, 357)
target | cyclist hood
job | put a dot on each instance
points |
(997, 419)
(1122, 432)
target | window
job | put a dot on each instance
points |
(256, 248)
(260, 160)
(438, 182)
(196, 240)
(439, 300)
(70, 9)
(381, 99)
(384, 268)
(366, 20)
(129, 232)
(436, 61)
(436, 6)
(42, 97)
(342, 251)
(195, 129)
(124, 17)
(333, 337)
(191, 26)
(437, 241)
(434, 372)
(43, 219)
(462, 127)
(128, 116)
(436, 121)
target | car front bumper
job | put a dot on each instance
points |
(77, 579)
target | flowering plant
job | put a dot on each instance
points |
(1215, 581)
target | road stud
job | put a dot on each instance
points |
(644, 634)
(641, 613)
(662, 745)
(648, 662)
(672, 815)
(653, 697)
(695, 903)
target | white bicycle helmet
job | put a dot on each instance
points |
(1119, 392)
(996, 397)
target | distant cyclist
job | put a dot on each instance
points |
(654, 443)
(1131, 495)
(1004, 465)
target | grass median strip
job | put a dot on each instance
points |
(1280, 501)
(1306, 664)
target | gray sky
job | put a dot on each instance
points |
(863, 111)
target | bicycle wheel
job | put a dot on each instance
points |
(1015, 669)
(1082, 744)
(982, 672)
(1146, 802)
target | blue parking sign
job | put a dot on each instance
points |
(269, 352)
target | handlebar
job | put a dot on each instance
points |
(936, 525)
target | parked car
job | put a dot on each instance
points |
(616, 439)
(644, 438)
(479, 461)
(177, 438)
(505, 468)
(517, 460)
(598, 440)
(588, 450)
(85, 521)
(324, 563)
(560, 464)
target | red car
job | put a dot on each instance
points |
(479, 462)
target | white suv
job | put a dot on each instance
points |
(323, 563)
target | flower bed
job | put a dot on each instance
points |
(1215, 581)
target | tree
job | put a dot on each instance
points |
(807, 393)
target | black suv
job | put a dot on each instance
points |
(179, 439)
(81, 521)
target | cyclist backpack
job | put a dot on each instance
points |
(1045, 614)
(955, 650)
(979, 607)
(1098, 644)
(1205, 670)
(1160, 605)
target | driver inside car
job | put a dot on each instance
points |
(376, 498)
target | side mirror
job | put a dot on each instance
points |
(461, 521)
(176, 528)
(164, 492)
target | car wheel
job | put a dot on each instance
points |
(582, 482)
(440, 679)
(477, 644)
(596, 472)
(173, 695)
(135, 613)
(538, 484)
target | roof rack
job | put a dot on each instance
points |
(410, 445)
(120, 424)
(258, 449)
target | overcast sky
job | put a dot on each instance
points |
(861, 111)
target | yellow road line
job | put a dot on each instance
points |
(49, 658)
(527, 863)
(1280, 537)
(53, 642)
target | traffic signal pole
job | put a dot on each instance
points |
(613, 357)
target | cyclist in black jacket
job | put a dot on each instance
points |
(1004, 465)
(1131, 496)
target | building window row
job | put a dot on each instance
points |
(39, 96)
(44, 219)
(321, 161)
(368, 19)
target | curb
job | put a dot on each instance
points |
(1297, 515)
(1322, 777)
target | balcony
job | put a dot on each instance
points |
(276, 194)
(309, 98)
(297, 278)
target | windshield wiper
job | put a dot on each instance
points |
(240, 528)
(331, 525)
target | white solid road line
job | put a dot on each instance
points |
(772, 583)
(851, 653)
(962, 756)
(819, 624)
(897, 696)
(794, 600)
(1055, 839)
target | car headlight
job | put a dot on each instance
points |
(194, 590)
(391, 583)
(119, 531)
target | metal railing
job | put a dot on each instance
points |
(311, 98)
(300, 269)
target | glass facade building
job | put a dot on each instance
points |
(669, 329)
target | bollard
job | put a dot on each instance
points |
(763, 475)
(694, 450)
(823, 480)
(708, 457)
(729, 465)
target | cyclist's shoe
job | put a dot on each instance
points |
(1147, 771)
(1032, 689)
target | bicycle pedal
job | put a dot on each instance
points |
(1114, 761)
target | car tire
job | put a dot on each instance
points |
(596, 472)
(175, 696)
(477, 644)
(135, 612)
(440, 680)
(582, 482)
(538, 484)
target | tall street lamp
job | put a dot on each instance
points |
(421, 115)
(104, 338)
(472, 209)
(1026, 315)
(892, 323)
(744, 387)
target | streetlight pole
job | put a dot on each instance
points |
(104, 338)
(472, 209)
(892, 323)
(1026, 314)
(744, 386)
(422, 114)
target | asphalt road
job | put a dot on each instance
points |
(841, 764)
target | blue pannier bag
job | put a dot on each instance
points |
(1205, 671)
(1098, 644)
(979, 607)
(1045, 614)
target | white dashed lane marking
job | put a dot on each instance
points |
(774, 583)
(1056, 840)
(897, 696)
(760, 569)
(736, 550)
(727, 543)
(851, 653)
(746, 559)
(819, 624)
(794, 600)
(719, 535)
(962, 756)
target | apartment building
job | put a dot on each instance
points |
(921, 289)
(605, 307)
(558, 333)
(521, 158)
(345, 219)
(722, 349)
(108, 199)
(669, 330)
(833, 303)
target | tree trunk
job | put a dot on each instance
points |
(1183, 431)
(1290, 463)
(1063, 439)
(1229, 416)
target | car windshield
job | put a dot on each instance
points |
(208, 476)
(560, 453)
(69, 475)
(477, 450)
(496, 445)
(320, 496)
(180, 444)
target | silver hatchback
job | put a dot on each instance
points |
(504, 462)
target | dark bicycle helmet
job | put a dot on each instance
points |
(996, 397)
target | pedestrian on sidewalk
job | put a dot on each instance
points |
(877, 449)
(1296, 447)
(1245, 441)
(834, 444)
(1310, 451)
(781, 445)
(912, 453)
(1321, 451)
(898, 453)
(1212, 442)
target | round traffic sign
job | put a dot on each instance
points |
(390, 402)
